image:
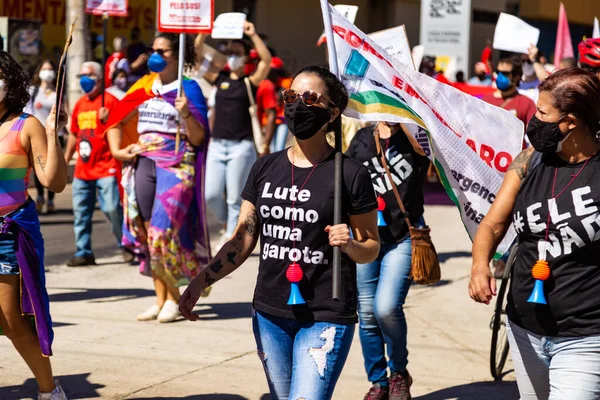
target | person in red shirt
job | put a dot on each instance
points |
(270, 109)
(506, 96)
(96, 171)
(117, 60)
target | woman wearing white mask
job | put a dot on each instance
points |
(231, 152)
(43, 96)
(119, 84)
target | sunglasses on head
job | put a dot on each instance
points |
(310, 97)
(160, 52)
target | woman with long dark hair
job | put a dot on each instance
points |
(303, 336)
(43, 97)
(26, 145)
(551, 195)
(165, 221)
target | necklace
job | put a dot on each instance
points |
(541, 270)
(294, 273)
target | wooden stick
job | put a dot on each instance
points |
(60, 79)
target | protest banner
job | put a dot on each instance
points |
(515, 35)
(470, 142)
(229, 26)
(349, 12)
(184, 16)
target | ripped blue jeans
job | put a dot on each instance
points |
(301, 361)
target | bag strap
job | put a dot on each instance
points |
(391, 179)
(249, 89)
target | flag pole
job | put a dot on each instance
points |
(104, 50)
(337, 175)
(180, 87)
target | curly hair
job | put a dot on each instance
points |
(17, 84)
(190, 49)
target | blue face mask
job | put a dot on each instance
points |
(156, 63)
(502, 82)
(87, 84)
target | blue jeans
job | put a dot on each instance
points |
(382, 289)
(301, 360)
(84, 202)
(555, 367)
(278, 142)
(228, 165)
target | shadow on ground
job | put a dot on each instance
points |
(100, 295)
(476, 391)
(443, 257)
(214, 396)
(76, 387)
(219, 311)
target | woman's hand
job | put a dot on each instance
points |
(190, 297)
(103, 114)
(249, 29)
(482, 286)
(339, 235)
(128, 153)
(51, 120)
(181, 104)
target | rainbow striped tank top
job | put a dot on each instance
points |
(14, 168)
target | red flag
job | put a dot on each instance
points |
(564, 46)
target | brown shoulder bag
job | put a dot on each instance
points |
(425, 265)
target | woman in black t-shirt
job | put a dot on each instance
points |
(552, 195)
(231, 151)
(303, 336)
(383, 284)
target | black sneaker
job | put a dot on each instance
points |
(400, 386)
(377, 392)
(81, 261)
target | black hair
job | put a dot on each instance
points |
(116, 73)
(335, 90)
(517, 67)
(35, 79)
(190, 48)
(17, 84)
(460, 76)
(244, 43)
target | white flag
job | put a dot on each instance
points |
(471, 143)
(596, 33)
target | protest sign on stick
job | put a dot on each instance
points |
(183, 17)
(106, 8)
(470, 142)
(515, 35)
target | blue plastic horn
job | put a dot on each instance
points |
(537, 295)
(295, 295)
(380, 220)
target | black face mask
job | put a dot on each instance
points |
(304, 121)
(545, 137)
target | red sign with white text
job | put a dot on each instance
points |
(114, 8)
(185, 16)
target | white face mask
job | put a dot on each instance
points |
(235, 62)
(47, 75)
(3, 90)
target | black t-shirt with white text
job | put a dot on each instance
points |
(409, 171)
(232, 118)
(572, 249)
(269, 188)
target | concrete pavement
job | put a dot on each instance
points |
(102, 352)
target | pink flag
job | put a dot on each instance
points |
(564, 46)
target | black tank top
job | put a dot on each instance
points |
(573, 249)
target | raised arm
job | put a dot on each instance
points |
(233, 254)
(493, 228)
(46, 153)
(264, 66)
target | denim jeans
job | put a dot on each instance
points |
(301, 361)
(106, 190)
(555, 367)
(228, 165)
(278, 142)
(382, 289)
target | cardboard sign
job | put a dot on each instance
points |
(229, 26)
(114, 8)
(395, 42)
(185, 16)
(514, 34)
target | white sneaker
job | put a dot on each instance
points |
(57, 394)
(169, 312)
(150, 314)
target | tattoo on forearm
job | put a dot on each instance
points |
(231, 257)
(216, 266)
(209, 280)
(41, 163)
(252, 223)
(519, 164)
